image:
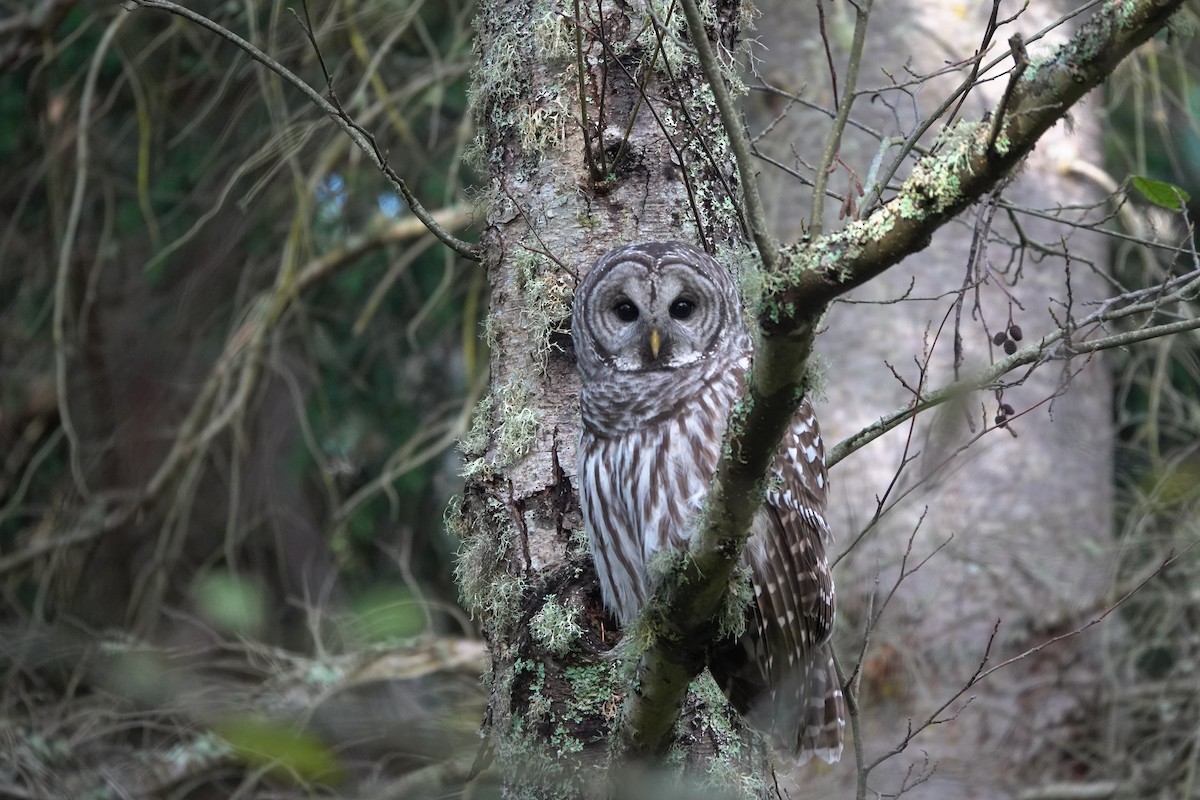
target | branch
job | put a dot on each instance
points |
(800, 282)
(739, 140)
(359, 135)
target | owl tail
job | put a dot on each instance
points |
(801, 711)
(822, 717)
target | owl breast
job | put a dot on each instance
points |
(642, 488)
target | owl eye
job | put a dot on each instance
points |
(682, 309)
(625, 311)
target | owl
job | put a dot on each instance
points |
(663, 352)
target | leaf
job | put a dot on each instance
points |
(284, 751)
(1161, 193)
(234, 604)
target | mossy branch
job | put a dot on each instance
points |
(801, 280)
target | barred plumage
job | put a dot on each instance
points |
(663, 353)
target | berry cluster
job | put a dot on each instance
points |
(1004, 413)
(1008, 338)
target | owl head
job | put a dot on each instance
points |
(654, 306)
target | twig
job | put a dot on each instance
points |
(1021, 63)
(834, 141)
(905, 224)
(739, 140)
(1033, 354)
(597, 172)
(989, 32)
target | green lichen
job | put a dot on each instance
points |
(530, 768)
(669, 57)
(517, 420)
(501, 95)
(503, 429)
(545, 293)
(874, 227)
(595, 690)
(547, 123)
(731, 617)
(593, 694)
(726, 773)
(475, 444)
(537, 109)
(538, 702)
(554, 627)
(554, 38)
(558, 765)
(935, 185)
(498, 81)
(813, 385)
(579, 545)
(747, 269)
(486, 589)
(1003, 144)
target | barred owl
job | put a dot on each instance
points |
(663, 353)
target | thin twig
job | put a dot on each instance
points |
(834, 141)
(739, 140)
(1035, 353)
(66, 255)
(1021, 63)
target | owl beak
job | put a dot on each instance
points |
(655, 342)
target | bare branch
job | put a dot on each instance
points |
(964, 169)
(756, 217)
(1036, 353)
(834, 140)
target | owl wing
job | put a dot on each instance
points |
(781, 672)
(795, 570)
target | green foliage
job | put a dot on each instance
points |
(1160, 193)
(324, 403)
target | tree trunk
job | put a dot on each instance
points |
(570, 178)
